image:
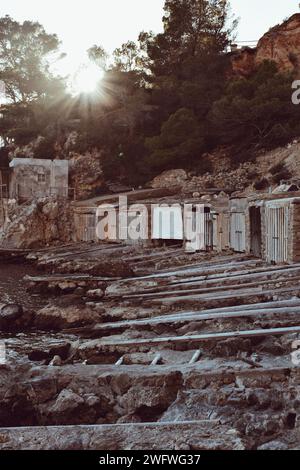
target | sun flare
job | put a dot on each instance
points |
(87, 79)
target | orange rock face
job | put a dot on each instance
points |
(281, 44)
(243, 62)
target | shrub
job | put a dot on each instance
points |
(262, 184)
(279, 168)
(45, 149)
(285, 174)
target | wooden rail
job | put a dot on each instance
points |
(203, 337)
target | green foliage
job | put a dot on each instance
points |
(126, 57)
(180, 141)
(280, 173)
(277, 168)
(258, 111)
(34, 96)
(98, 55)
(24, 50)
(262, 184)
(45, 149)
(192, 29)
(188, 67)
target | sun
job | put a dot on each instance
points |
(87, 79)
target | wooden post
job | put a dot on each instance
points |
(196, 356)
(156, 360)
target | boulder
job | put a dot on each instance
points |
(14, 318)
(273, 445)
(168, 179)
(95, 294)
(65, 406)
(55, 317)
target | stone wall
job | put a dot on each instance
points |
(38, 178)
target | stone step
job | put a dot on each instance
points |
(202, 435)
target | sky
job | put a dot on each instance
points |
(80, 24)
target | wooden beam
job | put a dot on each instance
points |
(196, 356)
(232, 275)
(68, 277)
(156, 360)
(196, 316)
(203, 280)
(119, 361)
(230, 295)
(203, 337)
(229, 261)
(223, 288)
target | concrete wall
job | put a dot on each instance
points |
(38, 178)
(295, 232)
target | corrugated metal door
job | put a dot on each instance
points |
(85, 227)
(277, 223)
(194, 225)
(238, 231)
(167, 223)
(208, 229)
(221, 231)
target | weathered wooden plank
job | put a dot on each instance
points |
(227, 262)
(214, 296)
(196, 316)
(67, 277)
(196, 356)
(240, 274)
(222, 288)
(199, 338)
(237, 308)
(208, 285)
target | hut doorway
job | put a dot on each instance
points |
(255, 232)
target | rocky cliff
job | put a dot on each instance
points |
(280, 44)
(42, 222)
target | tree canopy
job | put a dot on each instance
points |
(25, 51)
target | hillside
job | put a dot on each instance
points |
(214, 115)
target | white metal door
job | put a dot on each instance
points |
(277, 223)
(238, 231)
(167, 223)
(194, 225)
